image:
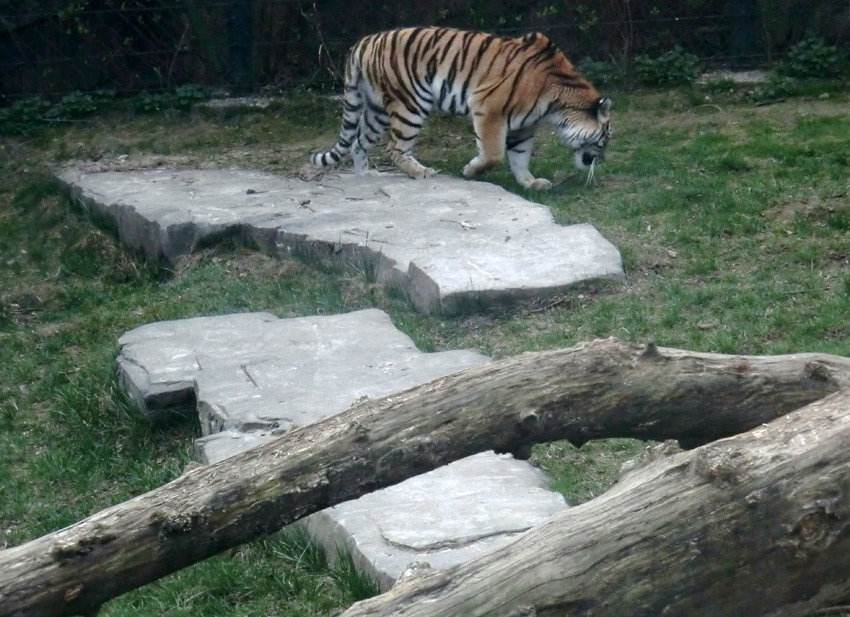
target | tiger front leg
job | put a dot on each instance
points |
(519, 155)
(490, 133)
(404, 131)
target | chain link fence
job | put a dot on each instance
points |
(49, 48)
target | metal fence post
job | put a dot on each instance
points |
(744, 33)
(240, 44)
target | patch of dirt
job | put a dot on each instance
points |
(137, 161)
(812, 208)
(249, 102)
(288, 159)
(738, 77)
(21, 306)
(242, 262)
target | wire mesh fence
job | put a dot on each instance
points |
(52, 47)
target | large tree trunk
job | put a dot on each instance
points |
(753, 525)
(594, 390)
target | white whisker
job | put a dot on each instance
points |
(591, 172)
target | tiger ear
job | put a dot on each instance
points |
(603, 107)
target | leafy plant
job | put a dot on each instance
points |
(187, 95)
(812, 58)
(775, 88)
(600, 72)
(724, 84)
(74, 105)
(182, 98)
(672, 68)
(24, 116)
(149, 102)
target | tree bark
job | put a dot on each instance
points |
(593, 390)
(754, 525)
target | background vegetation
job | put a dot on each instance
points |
(52, 48)
(730, 204)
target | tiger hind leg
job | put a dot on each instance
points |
(404, 130)
(352, 113)
(374, 124)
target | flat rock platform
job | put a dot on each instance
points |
(454, 246)
(445, 517)
(253, 376)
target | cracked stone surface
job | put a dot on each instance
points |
(452, 245)
(253, 376)
(445, 517)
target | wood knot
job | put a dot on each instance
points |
(528, 420)
(650, 453)
(817, 371)
(814, 532)
(175, 523)
(359, 432)
(77, 547)
(73, 592)
(650, 351)
(723, 468)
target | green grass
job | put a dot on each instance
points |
(287, 575)
(581, 474)
(732, 220)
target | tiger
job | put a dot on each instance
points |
(506, 86)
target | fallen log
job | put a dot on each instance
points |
(593, 390)
(754, 525)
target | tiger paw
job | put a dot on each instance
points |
(425, 172)
(540, 184)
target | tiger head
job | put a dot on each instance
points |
(587, 132)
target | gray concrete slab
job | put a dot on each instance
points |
(158, 362)
(453, 245)
(252, 376)
(444, 518)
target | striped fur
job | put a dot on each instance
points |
(394, 79)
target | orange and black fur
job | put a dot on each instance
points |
(394, 79)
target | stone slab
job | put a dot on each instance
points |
(443, 518)
(252, 376)
(453, 245)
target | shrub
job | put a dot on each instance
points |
(149, 102)
(812, 58)
(672, 68)
(600, 72)
(182, 98)
(776, 87)
(23, 116)
(27, 116)
(73, 105)
(187, 95)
